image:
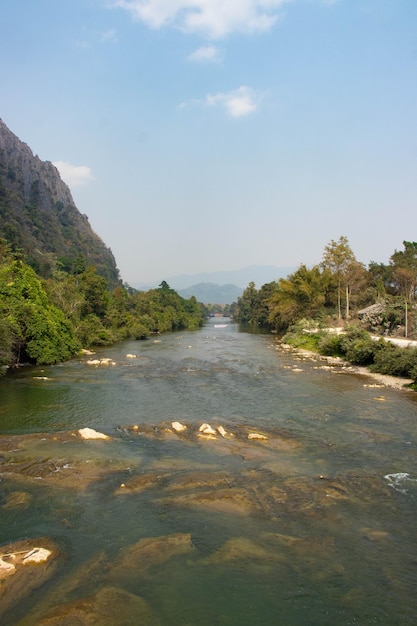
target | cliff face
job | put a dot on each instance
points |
(38, 213)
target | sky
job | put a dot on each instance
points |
(207, 135)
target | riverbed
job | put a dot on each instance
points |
(233, 483)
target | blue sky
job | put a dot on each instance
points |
(202, 135)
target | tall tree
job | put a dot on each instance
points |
(338, 258)
(404, 273)
(247, 304)
(300, 295)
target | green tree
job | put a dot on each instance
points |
(404, 270)
(338, 258)
(247, 305)
(38, 330)
(301, 295)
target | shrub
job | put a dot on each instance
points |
(395, 361)
(330, 345)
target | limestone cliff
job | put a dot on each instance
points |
(39, 216)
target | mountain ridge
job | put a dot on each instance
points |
(38, 214)
(241, 277)
(210, 293)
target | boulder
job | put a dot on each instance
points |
(89, 433)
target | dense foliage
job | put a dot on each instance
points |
(358, 347)
(340, 290)
(46, 321)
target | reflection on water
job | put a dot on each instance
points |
(297, 507)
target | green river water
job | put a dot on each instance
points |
(316, 524)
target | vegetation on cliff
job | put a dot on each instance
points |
(59, 284)
(38, 215)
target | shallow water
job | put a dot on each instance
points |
(313, 525)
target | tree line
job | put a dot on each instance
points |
(339, 288)
(340, 291)
(47, 320)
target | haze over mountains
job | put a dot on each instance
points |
(221, 287)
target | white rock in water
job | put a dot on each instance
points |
(256, 436)
(222, 431)
(131, 356)
(89, 433)
(93, 362)
(107, 361)
(37, 555)
(178, 427)
(6, 569)
(207, 429)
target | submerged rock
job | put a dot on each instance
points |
(108, 607)
(137, 484)
(17, 500)
(140, 559)
(241, 549)
(25, 566)
(236, 501)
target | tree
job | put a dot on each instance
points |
(247, 304)
(32, 327)
(300, 295)
(338, 258)
(404, 269)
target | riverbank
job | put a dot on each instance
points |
(380, 380)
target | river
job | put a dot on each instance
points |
(299, 511)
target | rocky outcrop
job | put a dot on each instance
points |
(38, 213)
(24, 566)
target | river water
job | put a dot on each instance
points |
(303, 513)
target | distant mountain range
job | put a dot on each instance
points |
(210, 293)
(240, 278)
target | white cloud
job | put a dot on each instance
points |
(205, 54)
(212, 18)
(109, 36)
(74, 175)
(237, 103)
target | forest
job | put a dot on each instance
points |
(47, 320)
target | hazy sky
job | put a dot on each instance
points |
(201, 135)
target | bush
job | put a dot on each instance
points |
(362, 352)
(330, 345)
(395, 361)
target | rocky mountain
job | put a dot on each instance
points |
(38, 214)
(210, 293)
